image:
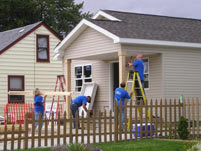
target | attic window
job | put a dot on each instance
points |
(43, 48)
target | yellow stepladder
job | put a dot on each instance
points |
(136, 78)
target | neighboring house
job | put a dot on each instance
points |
(98, 50)
(26, 61)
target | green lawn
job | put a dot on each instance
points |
(144, 145)
(140, 145)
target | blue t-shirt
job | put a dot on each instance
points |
(38, 104)
(80, 100)
(121, 94)
(139, 67)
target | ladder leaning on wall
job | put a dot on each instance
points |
(61, 82)
(138, 90)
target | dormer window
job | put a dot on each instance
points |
(43, 51)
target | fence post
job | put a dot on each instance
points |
(82, 130)
(77, 125)
(130, 125)
(125, 120)
(105, 126)
(19, 137)
(46, 131)
(33, 130)
(88, 128)
(119, 112)
(170, 125)
(161, 115)
(58, 128)
(156, 118)
(99, 125)
(12, 137)
(116, 122)
(151, 124)
(26, 132)
(111, 123)
(71, 122)
(52, 130)
(189, 118)
(39, 130)
(94, 127)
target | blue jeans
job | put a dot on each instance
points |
(75, 109)
(122, 115)
(37, 118)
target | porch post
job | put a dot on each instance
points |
(122, 66)
(68, 85)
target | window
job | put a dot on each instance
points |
(82, 75)
(15, 83)
(42, 48)
(146, 73)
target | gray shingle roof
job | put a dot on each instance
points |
(152, 27)
(10, 36)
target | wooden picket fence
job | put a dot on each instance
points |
(105, 126)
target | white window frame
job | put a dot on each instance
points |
(82, 76)
(145, 73)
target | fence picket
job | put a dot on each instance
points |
(94, 127)
(88, 128)
(189, 118)
(130, 125)
(125, 121)
(197, 110)
(12, 137)
(5, 137)
(161, 122)
(151, 124)
(82, 128)
(46, 131)
(193, 117)
(170, 123)
(111, 124)
(119, 112)
(141, 118)
(156, 118)
(40, 122)
(105, 127)
(99, 125)
(136, 121)
(175, 119)
(52, 129)
(26, 132)
(71, 129)
(58, 128)
(165, 118)
(19, 137)
(33, 131)
(77, 126)
(64, 128)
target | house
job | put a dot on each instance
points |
(98, 50)
(26, 61)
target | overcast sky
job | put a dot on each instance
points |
(178, 8)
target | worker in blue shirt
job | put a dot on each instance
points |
(38, 106)
(78, 102)
(139, 67)
(120, 96)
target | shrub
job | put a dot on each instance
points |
(183, 128)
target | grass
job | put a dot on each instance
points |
(144, 145)
(139, 145)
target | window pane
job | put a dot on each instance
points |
(87, 80)
(78, 83)
(146, 84)
(78, 89)
(16, 83)
(146, 66)
(146, 77)
(16, 99)
(42, 54)
(42, 42)
(78, 72)
(87, 71)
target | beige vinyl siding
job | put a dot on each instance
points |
(90, 42)
(182, 73)
(20, 59)
(155, 77)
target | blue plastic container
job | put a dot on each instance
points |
(143, 130)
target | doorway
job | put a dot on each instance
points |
(115, 75)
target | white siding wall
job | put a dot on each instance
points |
(182, 73)
(91, 42)
(20, 60)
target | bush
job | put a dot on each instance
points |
(183, 128)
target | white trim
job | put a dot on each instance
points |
(78, 29)
(158, 42)
(103, 14)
